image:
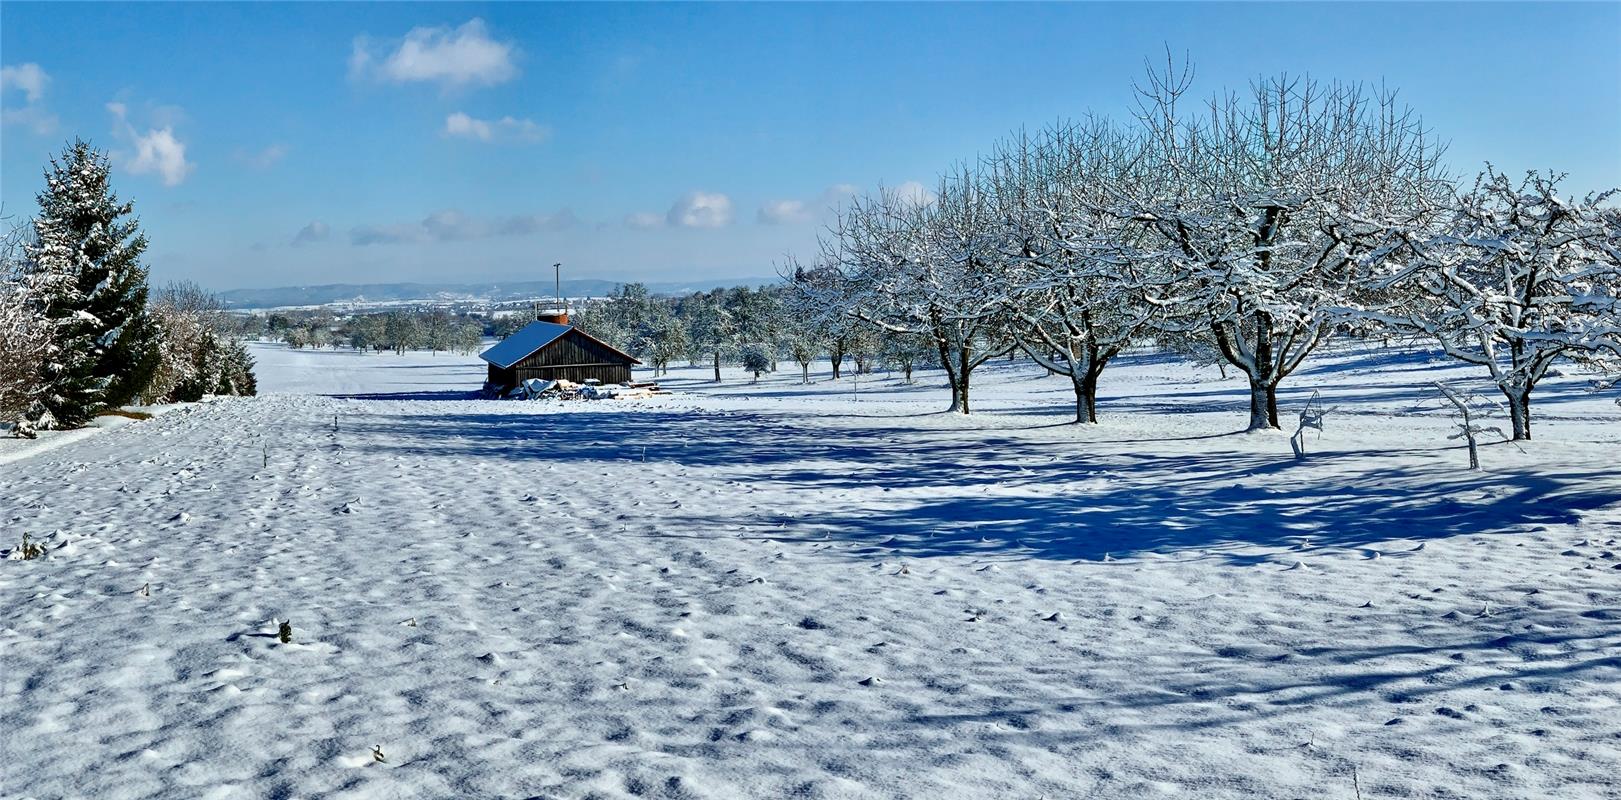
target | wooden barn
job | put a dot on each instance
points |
(551, 349)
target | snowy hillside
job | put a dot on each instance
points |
(832, 590)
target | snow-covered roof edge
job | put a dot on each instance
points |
(521, 344)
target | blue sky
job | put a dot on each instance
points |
(282, 144)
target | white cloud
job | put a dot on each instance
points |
(787, 212)
(840, 191)
(781, 212)
(159, 151)
(534, 223)
(913, 192)
(644, 220)
(384, 234)
(156, 151)
(450, 57)
(503, 129)
(35, 117)
(701, 210)
(314, 232)
(451, 225)
(29, 79)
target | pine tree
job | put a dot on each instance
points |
(87, 259)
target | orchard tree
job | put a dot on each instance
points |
(817, 305)
(1077, 271)
(711, 329)
(903, 351)
(806, 338)
(364, 331)
(926, 267)
(756, 361)
(665, 338)
(438, 330)
(863, 345)
(401, 332)
(757, 322)
(1514, 279)
(91, 289)
(1263, 204)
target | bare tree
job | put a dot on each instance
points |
(1076, 271)
(926, 267)
(1513, 280)
(1263, 204)
(25, 336)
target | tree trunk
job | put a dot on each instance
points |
(964, 369)
(1519, 410)
(1263, 405)
(836, 361)
(1087, 397)
(717, 366)
(804, 370)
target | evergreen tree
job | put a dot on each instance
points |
(87, 259)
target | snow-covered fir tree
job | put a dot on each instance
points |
(86, 262)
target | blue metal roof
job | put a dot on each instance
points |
(526, 340)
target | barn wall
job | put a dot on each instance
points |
(572, 357)
(570, 349)
(607, 373)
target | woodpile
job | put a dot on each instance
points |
(536, 389)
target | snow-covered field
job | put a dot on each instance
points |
(833, 590)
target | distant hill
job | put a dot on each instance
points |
(408, 292)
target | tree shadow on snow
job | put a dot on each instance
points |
(897, 490)
(416, 395)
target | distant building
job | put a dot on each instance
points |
(551, 349)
